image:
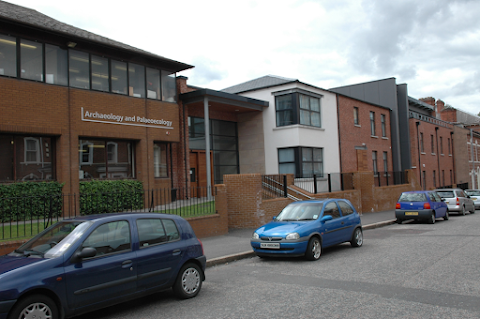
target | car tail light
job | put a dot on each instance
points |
(458, 201)
(397, 206)
(201, 244)
(426, 206)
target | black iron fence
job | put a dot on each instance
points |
(390, 178)
(327, 183)
(26, 216)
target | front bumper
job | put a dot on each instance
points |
(288, 249)
(403, 214)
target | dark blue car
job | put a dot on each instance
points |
(304, 228)
(82, 264)
(421, 205)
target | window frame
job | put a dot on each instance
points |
(383, 119)
(299, 161)
(356, 118)
(296, 107)
(372, 123)
(37, 150)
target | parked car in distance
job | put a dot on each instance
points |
(91, 262)
(475, 196)
(304, 228)
(457, 200)
(420, 205)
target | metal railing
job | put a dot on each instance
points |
(26, 216)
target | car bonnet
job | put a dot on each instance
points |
(280, 228)
(8, 263)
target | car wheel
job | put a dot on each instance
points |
(446, 217)
(463, 210)
(314, 249)
(473, 210)
(357, 238)
(35, 306)
(431, 220)
(399, 221)
(189, 281)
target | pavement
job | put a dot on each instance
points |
(236, 244)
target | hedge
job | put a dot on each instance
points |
(30, 200)
(99, 197)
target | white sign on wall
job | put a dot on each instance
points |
(132, 120)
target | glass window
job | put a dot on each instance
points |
(309, 111)
(32, 150)
(8, 55)
(448, 144)
(150, 232)
(136, 78)
(312, 161)
(286, 161)
(372, 123)
(56, 65)
(171, 229)
(106, 159)
(31, 60)
(309, 160)
(284, 109)
(441, 145)
(345, 208)
(385, 162)
(169, 87)
(356, 120)
(153, 84)
(384, 125)
(160, 166)
(119, 77)
(432, 144)
(100, 74)
(110, 238)
(79, 69)
(332, 210)
(421, 143)
(374, 160)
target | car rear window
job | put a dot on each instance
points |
(412, 197)
(446, 194)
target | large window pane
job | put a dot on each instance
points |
(169, 87)
(56, 65)
(119, 77)
(31, 60)
(225, 158)
(224, 143)
(283, 102)
(153, 84)
(8, 55)
(286, 155)
(160, 160)
(287, 168)
(224, 128)
(100, 74)
(136, 79)
(79, 70)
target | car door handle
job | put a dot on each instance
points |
(176, 252)
(126, 263)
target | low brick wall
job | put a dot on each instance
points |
(8, 247)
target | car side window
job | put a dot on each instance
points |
(151, 232)
(332, 210)
(345, 208)
(432, 197)
(110, 238)
(437, 197)
(461, 194)
(171, 229)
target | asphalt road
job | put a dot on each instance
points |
(412, 270)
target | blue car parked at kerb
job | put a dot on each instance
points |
(304, 228)
(82, 264)
(421, 205)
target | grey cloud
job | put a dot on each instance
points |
(206, 71)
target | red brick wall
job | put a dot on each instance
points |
(352, 135)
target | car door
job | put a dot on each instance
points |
(468, 203)
(349, 218)
(439, 205)
(334, 231)
(160, 252)
(108, 276)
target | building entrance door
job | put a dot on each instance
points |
(198, 172)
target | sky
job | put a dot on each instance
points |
(431, 45)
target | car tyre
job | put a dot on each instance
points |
(314, 249)
(399, 221)
(447, 215)
(463, 210)
(431, 220)
(35, 306)
(357, 238)
(189, 281)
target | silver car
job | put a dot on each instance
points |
(456, 200)
(475, 196)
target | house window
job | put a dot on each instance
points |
(421, 143)
(448, 145)
(79, 69)
(136, 78)
(26, 158)
(432, 144)
(297, 108)
(385, 162)
(356, 120)
(434, 179)
(160, 165)
(153, 84)
(106, 159)
(384, 128)
(424, 179)
(443, 177)
(451, 177)
(441, 145)
(169, 87)
(8, 52)
(374, 162)
(119, 77)
(31, 60)
(100, 74)
(301, 161)
(56, 61)
(372, 123)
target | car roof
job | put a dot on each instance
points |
(319, 200)
(114, 216)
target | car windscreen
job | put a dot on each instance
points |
(473, 193)
(446, 194)
(412, 197)
(300, 212)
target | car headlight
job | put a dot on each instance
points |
(292, 236)
(255, 236)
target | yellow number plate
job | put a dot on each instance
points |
(411, 213)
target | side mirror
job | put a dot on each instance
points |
(326, 218)
(274, 218)
(86, 252)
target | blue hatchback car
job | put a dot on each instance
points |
(82, 264)
(421, 205)
(304, 228)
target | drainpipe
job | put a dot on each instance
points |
(418, 149)
(207, 148)
(472, 171)
(438, 155)
(453, 160)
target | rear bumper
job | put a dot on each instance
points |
(5, 307)
(403, 214)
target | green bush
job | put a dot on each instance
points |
(99, 197)
(30, 200)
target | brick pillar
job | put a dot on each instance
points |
(364, 182)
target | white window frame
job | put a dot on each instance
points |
(37, 150)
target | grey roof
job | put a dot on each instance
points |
(259, 83)
(36, 19)
(420, 104)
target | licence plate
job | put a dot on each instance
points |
(270, 245)
(411, 213)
